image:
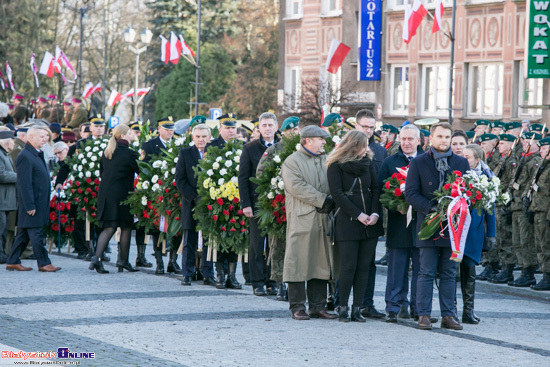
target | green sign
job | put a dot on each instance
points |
(538, 39)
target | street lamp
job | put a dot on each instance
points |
(145, 36)
(82, 11)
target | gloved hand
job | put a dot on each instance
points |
(491, 242)
(328, 205)
(526, 205)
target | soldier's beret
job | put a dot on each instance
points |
(487, 137)
(538, 128)
(497, 124)
(470, 134)
(390, 128)
(331, 118)
(197, 120)
(482, 122)
(545, 141)
(425, 132)
(531, 135)
(513, 125)
(290, 123)
(507, 137)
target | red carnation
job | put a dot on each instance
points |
(69, 229)
(76, 200)
(53, 216)
(219, 201)
(88, 180)
(478, 196)
(242, 222)
(398, 192)
(160, 198)
(160, 182)
(77, 183)
(174, 183)
(231, 207)
(86, 200)
(399, 177)
(88, 190)
(447, 186)
(279, 198)
(168, 212)
(280, 220)
(454, 193)
(79, 190)
(167, 190)
(232, 230)
(225, 212)
(96, 181)
(471, 186)
(176, 196)
(96, 188)
(283, 218)
(458, 173)
(387, 185)
(232, 221)
(55, 226)
(94, 194)
(63, 218)
(236, 200)
(273, 204)
(209, 207)
(240, 212)
(394, 175)
(468, 192)
(223, 229)
(145, 214)
(68, 206)
(275, 213)
(243, 230)
(215, 217)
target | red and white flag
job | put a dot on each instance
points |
(143, 91)
(336, 55)
(8, 74)
(34, 69)
(163, 224)
(62, 60)
(2, 81)
(164, 50)
(90, 89)
(186, 50)
(130, 93)
(438, 16)
(114, 98)
(413, 18)
(175, 48)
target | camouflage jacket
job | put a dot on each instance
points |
(530, 165)
(540, 195)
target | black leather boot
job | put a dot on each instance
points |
(506, 275)
(173, 266)
(343, 314)
(220, 284)
(544, 284)
(141, 261)
(91, 251)
(356, 315)
(125, 265)
(526, 279)
(97, 265)
(160, 263)
(232, 282)
(281, 292)
(489, 272)
(468, 287)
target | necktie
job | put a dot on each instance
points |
(201, 153)
(269, 144)
(410, 158)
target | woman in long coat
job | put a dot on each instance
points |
(117, 167)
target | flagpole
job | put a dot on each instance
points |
(452, 63)
(197, 66)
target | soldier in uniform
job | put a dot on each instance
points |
(515, 128)
(80, 114)
(68, 111)
(481, 127)
(389, 139)
(18, 99)
(277, 246)
(497, 127)
(43, 110)
(488, 143)
(522, 227)
(538, 202)
(504, 170)
(537, 128)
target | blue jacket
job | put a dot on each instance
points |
(33, 188)
(422, 181)
(481, 227)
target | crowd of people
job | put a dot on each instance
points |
(334, 217)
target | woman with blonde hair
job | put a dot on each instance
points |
(117, 168)
(355, 189)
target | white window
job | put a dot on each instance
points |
(293, 87)
(330, 7)
(485, 90)
(434, 90)
(530, 94)
(399, 89)
(294, 9)
(428, 4)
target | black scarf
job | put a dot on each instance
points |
(441, 164)
(357, 167)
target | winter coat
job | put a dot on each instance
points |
(8, 178)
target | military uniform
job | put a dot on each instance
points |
(79, 117)
(393, 148)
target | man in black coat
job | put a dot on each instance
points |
(186, 182)
(252, 153)
(400, 236)
(33, 198)
(365, 121)
(427, 173)
(227, 128)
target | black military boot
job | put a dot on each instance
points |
(468, 287)
(173, 266)
(526, 279)
(220, 284)
(160, 263)
(489, 272)
(141, 261)
(281, 292)
(506, 275)
(232, 282)
(91, 251)
(544, 284)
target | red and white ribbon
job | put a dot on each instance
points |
(458, 217)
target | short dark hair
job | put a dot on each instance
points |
(460, 133)
(444, 125)
(364, 113)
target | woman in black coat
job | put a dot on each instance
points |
(355, 189)
(117, 167)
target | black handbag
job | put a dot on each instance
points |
(333, 213)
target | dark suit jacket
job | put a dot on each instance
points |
(252, 153)
(64, 169)
(218, 142)
(151, 148)
(398, 235)
(186, 182)
(33, 188)
(422, 181)
(379, 153)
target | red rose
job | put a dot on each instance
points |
(88, 190)
(88, 180)
(243, 230)
(387, 185)
(478, 196)
(94, 215)
(96, 188)
(55, 226)
(279, 198)
(219, 201)
(160, 198)
(236, 200)
(275, 213)
(176, 196)
(145, 214)
(53, 216)
(63, 218)
(76, 200)
(69, 229)
(447, 187)
(167, 190)
(94, 194)
(86, 200)
(68, 206)
(96, 181)
(160, 182)
(397, 192)
(454, 193)
(232, 221)
(468, 193)
(242, 222)
(283, 209)
(280, 220)
(231, 207)
(215, 217)
(209, 207)
(225, 212)
(283, 218)
(73, 191)
(284, 198)
(273, 204)
(223, 229)
(77, 183)
(458, 173)
(232, 230)
(240, 212)
(174, 183)
(168, 212)
(149, 205)
(79, 190)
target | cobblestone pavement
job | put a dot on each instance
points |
(139, 319)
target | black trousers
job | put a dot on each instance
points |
(38, 247)
(189, 253)
(257, 259)
(368, 300)
(316, 295)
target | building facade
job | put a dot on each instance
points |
(489, 49)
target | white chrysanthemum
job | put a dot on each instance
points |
(221, 181)
(155, 187)
(157, 164)
(92, 165)
(75, 167)
(166, 174)
(223, 172)
(219, 159)
(164, 165)
(227, 154)
(281, 185)
(88, 148)
(145, 185)
(270, 195)
(155, 178)
(81, 175)
(96, 173)
(80, 167)
(228, 163)
(496, 180)
(103, 146)
(209, 172)
(237, 159)
(277, 159)
(144, 200)
(94, 158)
(96, 149)
(216, 165)
(235, 180)
(274, 181)
(88, 174)
(81, 156)
(173, 171)
(239, 152)
(84, 161)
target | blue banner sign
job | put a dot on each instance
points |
(370, 39)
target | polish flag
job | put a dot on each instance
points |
(34, 69)
(114, 98)
(164, 50)
(336, 55)
(143, 91)
(62, 60)
(438, 15)
(186, 50)
(47, 65)
(175, 48)
(90, 89)
(413, 18)
(9, 75)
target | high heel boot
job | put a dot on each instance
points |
(97, 265)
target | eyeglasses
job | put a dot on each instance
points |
(57, 153)
(365, 127)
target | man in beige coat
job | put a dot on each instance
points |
(308, 253)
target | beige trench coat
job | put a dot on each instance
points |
(308, 250)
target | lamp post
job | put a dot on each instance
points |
(82, 11)
(145, 36)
